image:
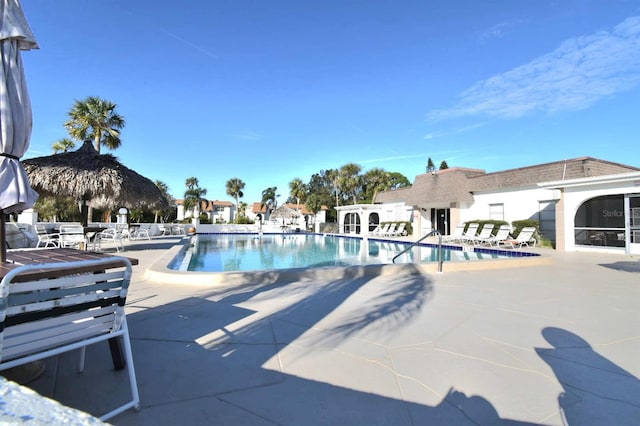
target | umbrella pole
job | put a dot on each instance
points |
(84, 212)
(3, 238)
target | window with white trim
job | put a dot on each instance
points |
(496, 211)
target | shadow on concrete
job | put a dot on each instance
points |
(626, 266)
(225, 360)
(596, 390)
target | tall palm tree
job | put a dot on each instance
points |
(349, 179)
(164, 188)
(234, 189)
(298, 190)
(193, 195)
(269, 198)
(374, 181)
(63, 145)
(97, 120)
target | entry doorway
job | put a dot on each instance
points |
(634, 224)
(440, 220)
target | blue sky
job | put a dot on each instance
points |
(267, 91)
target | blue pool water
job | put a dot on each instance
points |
(250, 252)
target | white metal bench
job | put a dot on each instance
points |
(49, 309)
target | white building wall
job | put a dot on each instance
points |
(575, 196)
(518, 204)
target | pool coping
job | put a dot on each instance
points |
(160, 272)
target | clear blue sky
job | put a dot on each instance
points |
(267, 91)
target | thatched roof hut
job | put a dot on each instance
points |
(98, 178)
(283, 212)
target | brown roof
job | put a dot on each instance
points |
(209, 205)
(457, 184)
(444, 186)
(574, 168)
(259, 208)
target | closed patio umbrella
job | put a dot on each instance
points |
(15, 114)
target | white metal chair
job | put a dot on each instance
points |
(49, 309)
(143, 231)
(177, 230)
(113, 235)
(72, 236)
(46, 239)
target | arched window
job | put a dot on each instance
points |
(352, 223)
(600, 222)
(374, 221)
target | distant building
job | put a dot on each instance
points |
(260, 213)
(216, 211)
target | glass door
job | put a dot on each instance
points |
(634, 224)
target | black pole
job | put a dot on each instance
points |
(84, 212)
(3, 238)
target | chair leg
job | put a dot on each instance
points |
(82, 357)
(135, 401)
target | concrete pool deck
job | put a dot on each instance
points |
(548, 343)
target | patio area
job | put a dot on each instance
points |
(551, 344)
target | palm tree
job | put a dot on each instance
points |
(374, 181)
(64, 145)
(193, 195)
(95, 119)
(269, 198)
(234, 189)
(164, 188)
(349, 179)
(298, 190)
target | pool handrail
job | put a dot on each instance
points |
(412, 245)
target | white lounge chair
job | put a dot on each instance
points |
(382, 230)
(458, 232)
(524, 238)
(471, 231)
(391, 230)
(376, 231)
(399, 231)
(503, 234)
(485, 233)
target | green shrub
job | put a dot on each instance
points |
(204, 219)
(243, 220)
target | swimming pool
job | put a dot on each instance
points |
(251, 252)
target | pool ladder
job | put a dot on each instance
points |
(434, 232)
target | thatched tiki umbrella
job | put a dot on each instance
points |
(283, 212)
(98, 180)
